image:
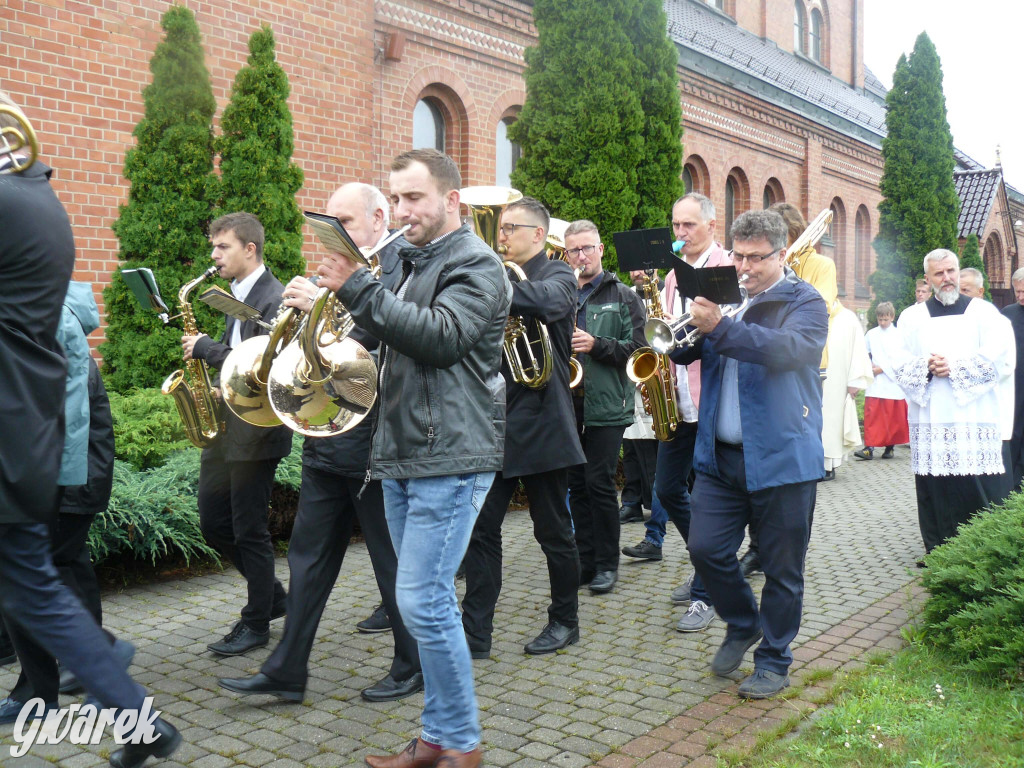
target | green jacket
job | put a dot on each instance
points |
(615, 318)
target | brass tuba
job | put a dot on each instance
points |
(529, 359)
(15, 138)
(194, 398)
(556, 239)
(653, 372)
(804, 244)
(246, 370)
(485, 207)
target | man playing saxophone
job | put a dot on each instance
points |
(237, 469)
(540, 445)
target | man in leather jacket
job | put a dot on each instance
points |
(332, 496)
(440, 429)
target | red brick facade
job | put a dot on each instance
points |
(357, 70)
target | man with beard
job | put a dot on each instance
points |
(954, 357)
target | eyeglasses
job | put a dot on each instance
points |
(753, 258)
(586, 250)
(508, 229)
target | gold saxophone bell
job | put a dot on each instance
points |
(486, 205)
(529, 359)
(14, 139)
(323, 383)
(653, 372)
(246, 370)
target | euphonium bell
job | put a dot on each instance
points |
(246, 370)
(14, 139)
(529, 359)
(485, 207)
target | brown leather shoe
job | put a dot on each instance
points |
(452, 758)
(417, 755)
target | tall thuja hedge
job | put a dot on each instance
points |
(970, 256)
(257, 174)
(659, 182)
(919, 207)
(163, 225)
(581, 127)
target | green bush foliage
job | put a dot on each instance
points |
(581, 127)
(146, 427)
(257, 174)
(976, 580)
(919, 207)
(152, 514)
(163, 226)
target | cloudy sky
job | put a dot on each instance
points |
(980, 44)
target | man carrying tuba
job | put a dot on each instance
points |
(540, 445)
(237, 470)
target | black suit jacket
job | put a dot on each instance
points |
(37, 255)
(540, 432)
(242, 441)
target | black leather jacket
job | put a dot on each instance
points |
(442, 396)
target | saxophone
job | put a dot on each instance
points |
(194, 398)
(654, 372)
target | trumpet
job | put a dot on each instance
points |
(15, 138)
(662, 334)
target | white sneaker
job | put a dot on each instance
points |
(697, 618)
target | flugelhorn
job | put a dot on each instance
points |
(485, 208)
(16, 140)
(193, 396)
(662, 334)
(527, 344)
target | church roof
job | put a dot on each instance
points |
(977, 191)
(713, 43)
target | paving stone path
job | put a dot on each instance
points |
(633, 692)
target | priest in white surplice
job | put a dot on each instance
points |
(955, 354)
(848, 370)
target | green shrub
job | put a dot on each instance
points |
(152, 514)
(976, 581)
(146, 428)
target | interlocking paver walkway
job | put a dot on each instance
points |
(633, 692)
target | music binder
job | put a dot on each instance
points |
(720, 285)
(332, 235)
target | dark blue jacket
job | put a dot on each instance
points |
(778, 344)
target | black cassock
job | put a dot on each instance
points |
(1015, 312)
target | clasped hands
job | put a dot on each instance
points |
(938, 365)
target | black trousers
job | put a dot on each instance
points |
(552, 527)
(639, 458)
(233, 498)
(594, 499)
(328, 507)
(41, 611)
(68, 537)
(722, 507)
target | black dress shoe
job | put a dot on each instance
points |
(604, 581)
(586, 576)
(279, 609)
(377, 621)
(645, 550)
(750, 563)
(10, 710)
(260, 683)
(887, 453)
(553, 637)
(830, 474)
(134, 755)
(390, 689)
(631, 513)
(478, 649)
(239, 640)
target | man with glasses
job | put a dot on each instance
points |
(759, 453)
(609, 327)
(540, 445)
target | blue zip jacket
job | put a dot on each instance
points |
(79, 317)
(778, 344)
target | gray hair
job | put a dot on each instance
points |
(973, 274)
(374, 200)
(707, 208)
(757, 225)
(1018, 276)
(579, 226)
(940, 254)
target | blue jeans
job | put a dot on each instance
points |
(431, 520)
(655, 525)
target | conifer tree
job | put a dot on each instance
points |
(257, 174)
(920, 207)
(581, 126)
(163, 226)
(970, 256)
(659, 183)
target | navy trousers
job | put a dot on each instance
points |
(39, 608)
(722, 507)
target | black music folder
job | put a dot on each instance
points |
(718, 284)
(332, 234)
(644, 249)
